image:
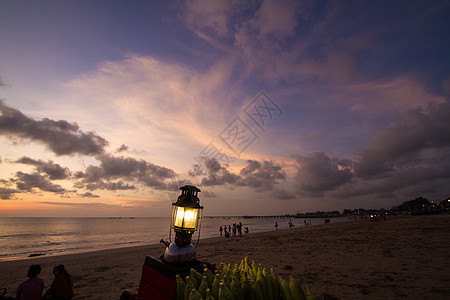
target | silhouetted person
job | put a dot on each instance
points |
(239, 228)
(32, 288)
(62, 285)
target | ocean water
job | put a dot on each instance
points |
(22, 237)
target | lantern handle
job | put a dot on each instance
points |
(170, 227)
(199, 228)
(198, 239)
(170, 235)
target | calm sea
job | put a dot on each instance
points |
(21, 237)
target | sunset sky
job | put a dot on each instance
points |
(269, 107)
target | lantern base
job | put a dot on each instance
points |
(180, 255)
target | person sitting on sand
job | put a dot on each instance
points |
(62, 285)
(32, 288)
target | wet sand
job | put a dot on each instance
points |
(403, 257)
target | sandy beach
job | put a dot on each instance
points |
(403, 257)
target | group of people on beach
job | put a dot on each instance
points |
(32, 288)
(291, 224)
(227, 230)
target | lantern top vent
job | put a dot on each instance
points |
(189, 197)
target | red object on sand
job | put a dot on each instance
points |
(157, 281)
(158, 278)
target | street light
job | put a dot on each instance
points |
(185, 220)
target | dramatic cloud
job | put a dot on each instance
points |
(259, 176)
(6, 193)
(318, 173)
(54, 171)
(340, 71)
(415, 140)
(217, 174)
(126, 168)
(28, 182)
(62, 137)
(410, 157)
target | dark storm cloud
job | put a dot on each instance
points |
(126, 168)
(54, 171)
(261, 176)
(410, 157)
(411, 140)
(7, 193)
(318, 173)
(258, 175)
(406, 182)
(27, 182)
(91, 174)
(62, 137)
(217, 174)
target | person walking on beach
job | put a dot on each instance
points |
(220, 229)
(32, 288)
(62, 285)
(239, 228)
(276, 225)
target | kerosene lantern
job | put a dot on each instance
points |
(158, 279)
(185, 220)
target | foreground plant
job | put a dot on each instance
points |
(240, 282)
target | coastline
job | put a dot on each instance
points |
(33, 237)
(403, 257)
